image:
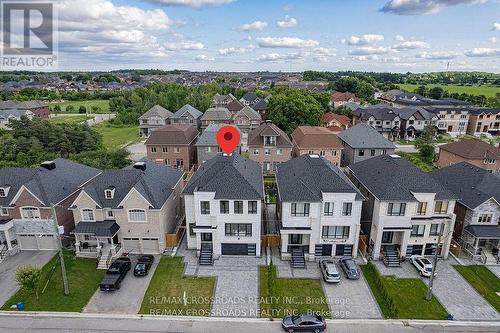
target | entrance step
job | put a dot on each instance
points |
(298, 259)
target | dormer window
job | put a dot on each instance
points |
(109, 193)
(270, 140)
(4, 191)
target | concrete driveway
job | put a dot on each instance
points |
(126, 300)
(137, 151)
(8, 284)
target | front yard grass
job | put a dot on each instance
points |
(280, 297)
(116, 136)
(83, 280)
(70, 120)
(172, 293)
(418, 161)
(407, 296)
(484, 281)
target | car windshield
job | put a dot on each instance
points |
(140, 266)
(428, 269)
(425, 261)
(296, 319)
(350, 265)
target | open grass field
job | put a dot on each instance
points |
(83, 280)
(172, 293)
(282, 296)
(488, 91)
(484, 281)
(117, 136)
(102, 104)
(418, 161)
(69, 119)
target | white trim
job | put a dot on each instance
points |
(137, 209)
(84, 219)
(78, 198)
(18, 194)
(2, 211)
(34, 218)
(129, 193)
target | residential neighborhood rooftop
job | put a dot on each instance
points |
(217, 113)
(364, 136)
(209, 136)
(315, 137)
(268, 129)
(157, 111)
(180, 134)
(188, 109)
(472, 149)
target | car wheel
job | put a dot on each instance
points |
(290, 330)
(411, 261)
(421, 274)
(317, 330)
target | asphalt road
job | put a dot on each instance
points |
(76, 323)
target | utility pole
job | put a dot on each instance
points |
(61, 255)
(431, 279)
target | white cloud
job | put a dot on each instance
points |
(422, 7)
(288, 22)
(286, 42)
(496, 26)
(192, 3)
(323, 54)
(256, 25)
(482, 52)
(411, 45)
(203, 57)
(236, 50)
(369, 50)
(184, 45)
(367, 39)
(399, 38)
(367, 57)
(276, 57)
(493, 40)
(437, 55)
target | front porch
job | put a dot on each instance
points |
(481, 243)
(8, 240)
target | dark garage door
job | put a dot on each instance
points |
(235, 249)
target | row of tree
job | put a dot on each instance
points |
(438, 93)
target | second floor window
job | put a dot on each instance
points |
(434, 230)
(421, 208)
(238, 207)
(137, 215)
(2, 193)
(252, 207)
(335, 232)
(347, 209)
(269, 140)
(153, 149)
(88, 215)
(396, 209)
(205, 207)
(485, 218)
(328, 209)
(4, 212)
(224, 207)
(239, 229)
(441, 207)
(300, 209)
(417, 231)
(361, 152)
(372, 152)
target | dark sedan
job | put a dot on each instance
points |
(143, 265)
(304, 323)
(350, 268)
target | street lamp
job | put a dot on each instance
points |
(61, 255)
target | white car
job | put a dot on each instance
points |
(329, 270)
(422, 264)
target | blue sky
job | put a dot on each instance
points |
(247, 35)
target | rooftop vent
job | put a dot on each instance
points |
(140, 166)
(395, 156)
(49, 165)
(313, 156)
(269, 121)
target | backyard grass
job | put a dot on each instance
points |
(115, 136)
(69, 119)
(484, 281)
(101, 104)
(408, 297)
(172, 293)
(83, 279)
(283, 296)
(488, 91)
(418, 161)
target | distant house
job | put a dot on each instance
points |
(39, 109)
(247, 119)
(363, 142)
(173, 145)
(317, 140)
(250, 99)
(484, 121)
(222, 100)
(340, 98)
(261, 107)
(336, 122)
(414, 120)
(216, 115)
(234, 106)
(452, 121)
(187, 115)
(269, 145)
(207, 146)
(383, 118)
(154, 118)
(473, 151)
(477, 209)
(7, 115)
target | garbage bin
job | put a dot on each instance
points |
(20, 306)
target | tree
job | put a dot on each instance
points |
(436, 93)
(70, 108)
(28, 278)
(364, 90)
(427, 152)
(421, 90)
(82, 109)
(56, 108)
(344, 110)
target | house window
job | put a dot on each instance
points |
(239, 229)
(334, 153)
(177, 150)
(267, 151)
(417, 231)
(384, 152)
(421, 208)
(300, 209)
(256, 151)
(328, 209)
(4, 212)
(485, 218)
(441, 207)
(164, 149)
(110, 214)
(372, 152)
(88, 214)
(347, 209)
(137, 215)
(322, 153)
(361, 152)
(224, 207)
(269, 140)
(279, 151)
(252, 207)
(191, 230)
(434, 231)
(3, 193)
(295, 239)
(153, 149)
(238, 207)
(336, 232)
(108, 194)
(208, 149)
(396, 209)
(205, 207)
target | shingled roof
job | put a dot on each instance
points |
(173, 134)
(473, 149)
(230, 177)
(315, 137)
(188, 109)
(307, 177)
(255, 137)
(157, 111)
(217, 114)
(363, 136)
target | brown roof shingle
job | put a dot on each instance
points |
(268, 129)
(315, 137)
(329, 116)
(173, 134)
(473, 149)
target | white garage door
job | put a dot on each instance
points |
(47, 242)
(27, 242)
(150, 245)
(131, 245)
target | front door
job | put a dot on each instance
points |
(387, 237)
(206, 237)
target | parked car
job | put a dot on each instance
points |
(143, 265)
(304, 322)
(423, 265)
(115, 274)
(350, 268)
(329, 270)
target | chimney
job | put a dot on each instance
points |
(49, 165)
(269, 121)
(140, 166)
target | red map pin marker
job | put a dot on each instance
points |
(228, 138)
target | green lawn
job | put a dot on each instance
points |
(69, 119)
(83, 278)
(172, 293)
(101, 104)
(284, 296)
(417, 161)
(488, 91)
(408, 296)
(117, 136)
(484, 281)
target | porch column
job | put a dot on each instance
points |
(113, 247)
(377, 244)
(7, 239)
(404, 242)
(356, 241)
